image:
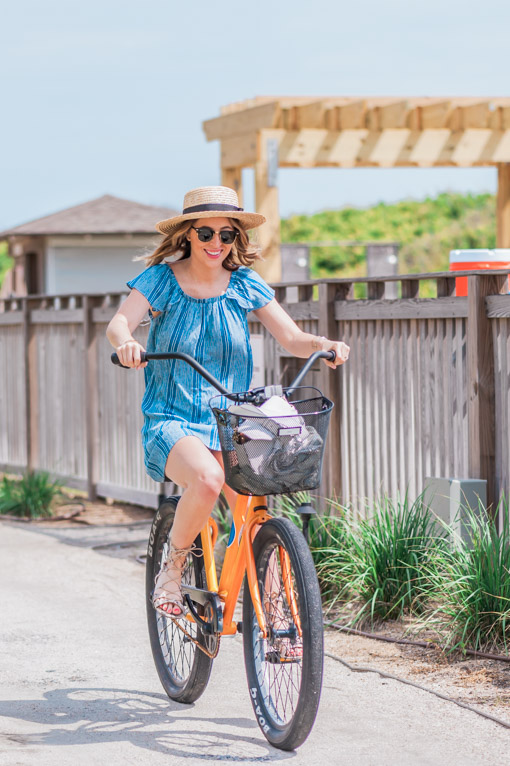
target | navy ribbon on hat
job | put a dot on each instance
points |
(213, 206)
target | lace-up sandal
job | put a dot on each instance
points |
(167, 597)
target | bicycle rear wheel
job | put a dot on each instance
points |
(182, 667)
(284, 670)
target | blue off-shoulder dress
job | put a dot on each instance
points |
(212, 330)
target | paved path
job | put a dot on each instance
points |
(77, 684)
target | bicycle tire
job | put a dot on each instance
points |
(182, 667)
(285, 695)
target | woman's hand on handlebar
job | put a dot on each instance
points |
(129, 354)
(341, 350)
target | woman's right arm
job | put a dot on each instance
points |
(120, 330)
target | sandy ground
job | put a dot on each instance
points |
(479, 683)
(77, 683)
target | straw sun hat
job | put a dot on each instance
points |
(211, 202)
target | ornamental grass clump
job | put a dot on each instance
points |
(471, 583)
(29, 497)
(386, 557)
(326, 539)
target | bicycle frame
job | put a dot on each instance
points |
(249, 513)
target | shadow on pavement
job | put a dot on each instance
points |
(80, 716)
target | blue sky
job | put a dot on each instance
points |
(108, 96)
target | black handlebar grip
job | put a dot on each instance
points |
(115, 359)
(332, 355)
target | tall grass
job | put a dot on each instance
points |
(376, 563)
(400, 560)
(326, 538)
(28, 497)
(471, 585)
(385, 559)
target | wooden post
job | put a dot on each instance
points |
(91, 408)
(480, 381)
(31, 391)
(233, 178)
(331, 388)
(266, 203)
(503, 206)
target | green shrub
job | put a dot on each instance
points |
(29, 497)
(384, 558)
(426, 229)
(6, 261)
(471, 582)
(326, 537)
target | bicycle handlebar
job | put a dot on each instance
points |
(147, 357)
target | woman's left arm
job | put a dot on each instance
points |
(295, 341)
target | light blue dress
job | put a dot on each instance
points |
(212, 330)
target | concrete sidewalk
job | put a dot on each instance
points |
(77, 683)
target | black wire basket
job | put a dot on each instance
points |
(273, 455)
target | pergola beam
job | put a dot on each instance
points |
(390, 148)
(241, 122)
(348, 132)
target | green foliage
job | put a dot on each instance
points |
(471, 583)
(5, 261)
(401, 561)
(326, 537)
(427, 230)
(379, 562)
(28, 497)
(384, 559)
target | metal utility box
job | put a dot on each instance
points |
(451, 499)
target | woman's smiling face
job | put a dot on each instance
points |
(214, 251)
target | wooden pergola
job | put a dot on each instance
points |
(269, 132)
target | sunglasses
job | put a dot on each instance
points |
(205, 234)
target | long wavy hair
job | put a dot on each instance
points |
(243, 252)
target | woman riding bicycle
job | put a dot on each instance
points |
(198, 289)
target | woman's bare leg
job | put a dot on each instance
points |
(192, 466)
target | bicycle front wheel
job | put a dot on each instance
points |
(182, 666)
(284, 670)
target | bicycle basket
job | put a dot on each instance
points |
(273, 455)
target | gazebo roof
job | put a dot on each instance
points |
(366, 132)
(104, 215)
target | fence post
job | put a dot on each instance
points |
(331, 381)
(31, 391)
(480, 381)
(91, 408)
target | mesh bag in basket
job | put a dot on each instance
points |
(273, 455)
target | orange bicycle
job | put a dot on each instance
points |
(265, 452)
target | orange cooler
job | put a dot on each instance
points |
(476, 260)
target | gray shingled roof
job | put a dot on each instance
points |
(104, 215)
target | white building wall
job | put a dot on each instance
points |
(93, 265)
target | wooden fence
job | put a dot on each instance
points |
(425, 393)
